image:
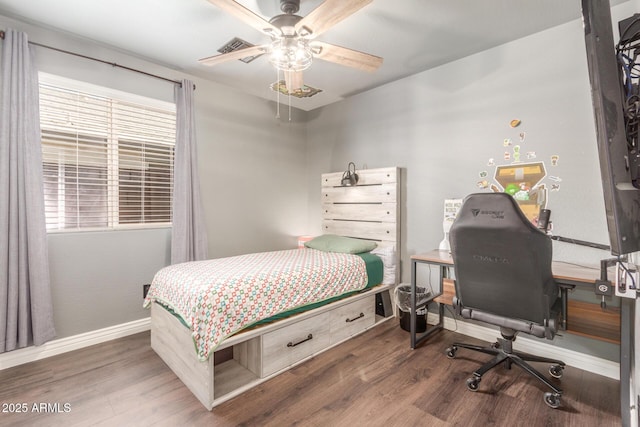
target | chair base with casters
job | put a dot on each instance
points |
(504, 354)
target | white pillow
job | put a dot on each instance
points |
(388, 256)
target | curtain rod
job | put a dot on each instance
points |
(113, 64)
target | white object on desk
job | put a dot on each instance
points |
(444, 244)
(451, 209)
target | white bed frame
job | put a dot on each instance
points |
(369, 210)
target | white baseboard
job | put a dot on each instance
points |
(573, 358)
(576, 359)
(63, 345)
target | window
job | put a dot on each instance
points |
(107, 157)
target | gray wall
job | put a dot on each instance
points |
(249, 168)
(443, 125)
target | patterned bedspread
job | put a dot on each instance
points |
(219, 297)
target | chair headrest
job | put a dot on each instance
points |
(493, 210)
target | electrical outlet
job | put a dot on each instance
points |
(145, 290)
(627, 277)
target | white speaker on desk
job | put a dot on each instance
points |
(451, 208)
(444, 244)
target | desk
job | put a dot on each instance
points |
(577, 317)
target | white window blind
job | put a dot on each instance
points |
(107, 161)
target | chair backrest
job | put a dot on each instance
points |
(502, 262)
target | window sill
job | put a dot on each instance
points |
(111, 229)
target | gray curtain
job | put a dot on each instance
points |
(26, 312)
(189, 234)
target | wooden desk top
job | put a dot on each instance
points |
(583, 318)
(561, 270)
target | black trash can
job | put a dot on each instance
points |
(403, 301)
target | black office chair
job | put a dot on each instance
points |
(503, 277)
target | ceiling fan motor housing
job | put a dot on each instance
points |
(290, 6)
(286, 23)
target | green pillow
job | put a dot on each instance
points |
(334, 243)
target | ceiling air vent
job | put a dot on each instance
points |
(237, 44)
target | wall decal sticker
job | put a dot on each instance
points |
(521, 136)
(516, 154)
(521, 175)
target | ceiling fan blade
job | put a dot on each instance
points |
(327, 15)
(293, 80)
(236, 54)
(347, 57)
(247, 16)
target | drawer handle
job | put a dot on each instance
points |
(292, 344)
(361, 315)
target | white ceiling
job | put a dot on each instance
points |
(411, 35)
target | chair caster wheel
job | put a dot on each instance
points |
(451, 351)
(472, 383)
(556, 371)
(552, 399)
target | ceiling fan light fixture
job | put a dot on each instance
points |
(291, 54)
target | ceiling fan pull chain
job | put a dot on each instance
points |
(277, 93)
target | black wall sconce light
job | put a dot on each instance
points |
(349, 177)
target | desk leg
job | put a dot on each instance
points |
(415, 340)
(627, 353)
(412, 318)
(444, 273)
(564, 297)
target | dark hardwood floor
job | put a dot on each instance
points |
(374, 380)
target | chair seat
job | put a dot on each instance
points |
(519, 325)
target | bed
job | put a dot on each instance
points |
(226, 325)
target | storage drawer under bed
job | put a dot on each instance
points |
(353, 318)
(286, 346)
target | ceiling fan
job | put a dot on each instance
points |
(293, 46)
